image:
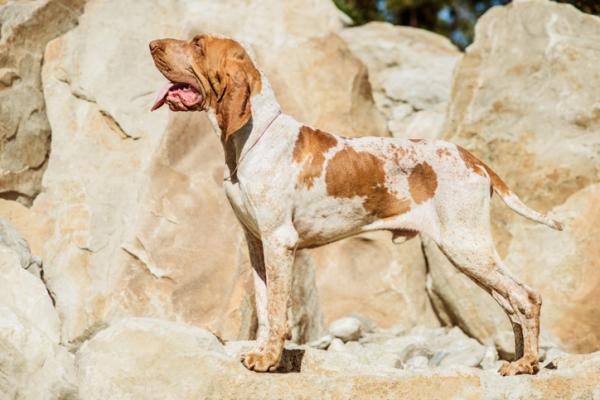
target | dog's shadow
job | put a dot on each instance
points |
(291, 361)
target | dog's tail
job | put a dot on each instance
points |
(515, 204)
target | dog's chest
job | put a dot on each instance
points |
(240, 205)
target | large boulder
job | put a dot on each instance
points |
(410, 71)
(373, 277)
(150, 359)
(525, 100)
(32, 363)
(135, 219)
(24, 130)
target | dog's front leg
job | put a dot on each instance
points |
(257, 259)
(279, 248)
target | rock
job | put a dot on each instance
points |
(347, 328)
(24, 129)
(415, 352)
(460, 350)
(12, 239)
(410, 71)
(371, 276)
(321, 343)
(144, 358)
(337, 345)
(508, 106)
(304, 76)
(552, 358)
(32, 363)
(29, 225)
(490, 358)
(417, 363)
(133, 216)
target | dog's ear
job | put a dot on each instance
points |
(240, 80)
(207, 64)
(199, 43)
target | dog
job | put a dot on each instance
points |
(293, 187)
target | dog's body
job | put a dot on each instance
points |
(293, 186)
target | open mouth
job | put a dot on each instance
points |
(179, 97)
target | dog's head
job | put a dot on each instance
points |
(207, 73)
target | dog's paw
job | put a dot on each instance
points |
(522, 366)
(260, 361)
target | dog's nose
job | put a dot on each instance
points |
(155, 44)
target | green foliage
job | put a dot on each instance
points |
(452, 18)
(361, 11)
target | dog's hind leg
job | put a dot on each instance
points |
(479, 261)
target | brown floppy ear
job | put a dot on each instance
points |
(207, 64)
(241, 81)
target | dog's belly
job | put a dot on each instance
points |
(328, 219)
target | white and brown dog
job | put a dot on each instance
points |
(293, 187)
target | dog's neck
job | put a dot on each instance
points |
(265, 109)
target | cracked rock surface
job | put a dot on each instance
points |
(26, 27)
(151, 359)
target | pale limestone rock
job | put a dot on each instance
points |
(525, 101)
(12, 239)
(442, 348)
(346, 329)
(27, 223)
(32, 363)
(417, 363)
(321, 83)
(337, 344)
(321, 343)
(490, 358)
(145, 358)
(26, 27)
(565, 268)
(98, 89)
(371, 276)
(410, 71)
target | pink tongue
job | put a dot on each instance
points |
(162, 95)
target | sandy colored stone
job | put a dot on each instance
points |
(347, 328)
(32, 363)
(410, 71)
(26, 221)
(24, 130)
(142, 358)
(525, 101)
(371, 276)
(565, 267)
(321, 83)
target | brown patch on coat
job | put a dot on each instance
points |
(353, 173)
(422, 182)
(480, 168)
(310, 148)
(443, 152)
(398, 153)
